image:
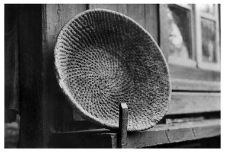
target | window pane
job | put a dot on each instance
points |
(208, 40)
(180, 31)
(207, 8)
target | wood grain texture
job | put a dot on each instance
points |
(122, 8)
(160, 134)
(58, 112)
(184, 103)
(152, 20)
(137, 13)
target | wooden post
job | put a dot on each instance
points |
(123, 120)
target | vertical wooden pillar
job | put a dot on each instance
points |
(123, 120)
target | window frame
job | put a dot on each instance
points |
(215, 18)
(191, 62)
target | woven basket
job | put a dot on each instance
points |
(104, 58)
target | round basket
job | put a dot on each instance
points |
(104, 58)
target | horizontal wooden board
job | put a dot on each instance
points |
(184, 103)
(163, 134)
(191, 73)
(160, 134)
(193, 85)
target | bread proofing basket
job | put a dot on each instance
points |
(104, 58)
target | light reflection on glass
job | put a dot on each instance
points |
(179, 31)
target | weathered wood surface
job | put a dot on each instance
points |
(54, 17)
(123, 121)
(152, 20)
(184, 103)
(160, 134)
(144, 14)
(194, 85)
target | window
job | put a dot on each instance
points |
(193, 35)
(207, 24)
(181, 50)
(189, 39)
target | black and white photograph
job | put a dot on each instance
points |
(99, 75)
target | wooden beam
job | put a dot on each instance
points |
(184, 103)
(158, 135)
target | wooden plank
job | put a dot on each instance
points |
(158, 135)
(58, 112)
(163, 134)
(104, 6)
(122, 8)
(151, 20)
(184, 103)
(193, 85)
(163, 30)
(206, 131)
(57, 16)
(182, 72)
(174, 135)
(137, 13)
(123, 120)
(146, 138)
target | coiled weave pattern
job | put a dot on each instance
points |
(104, 58)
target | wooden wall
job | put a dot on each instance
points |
(57, 109)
